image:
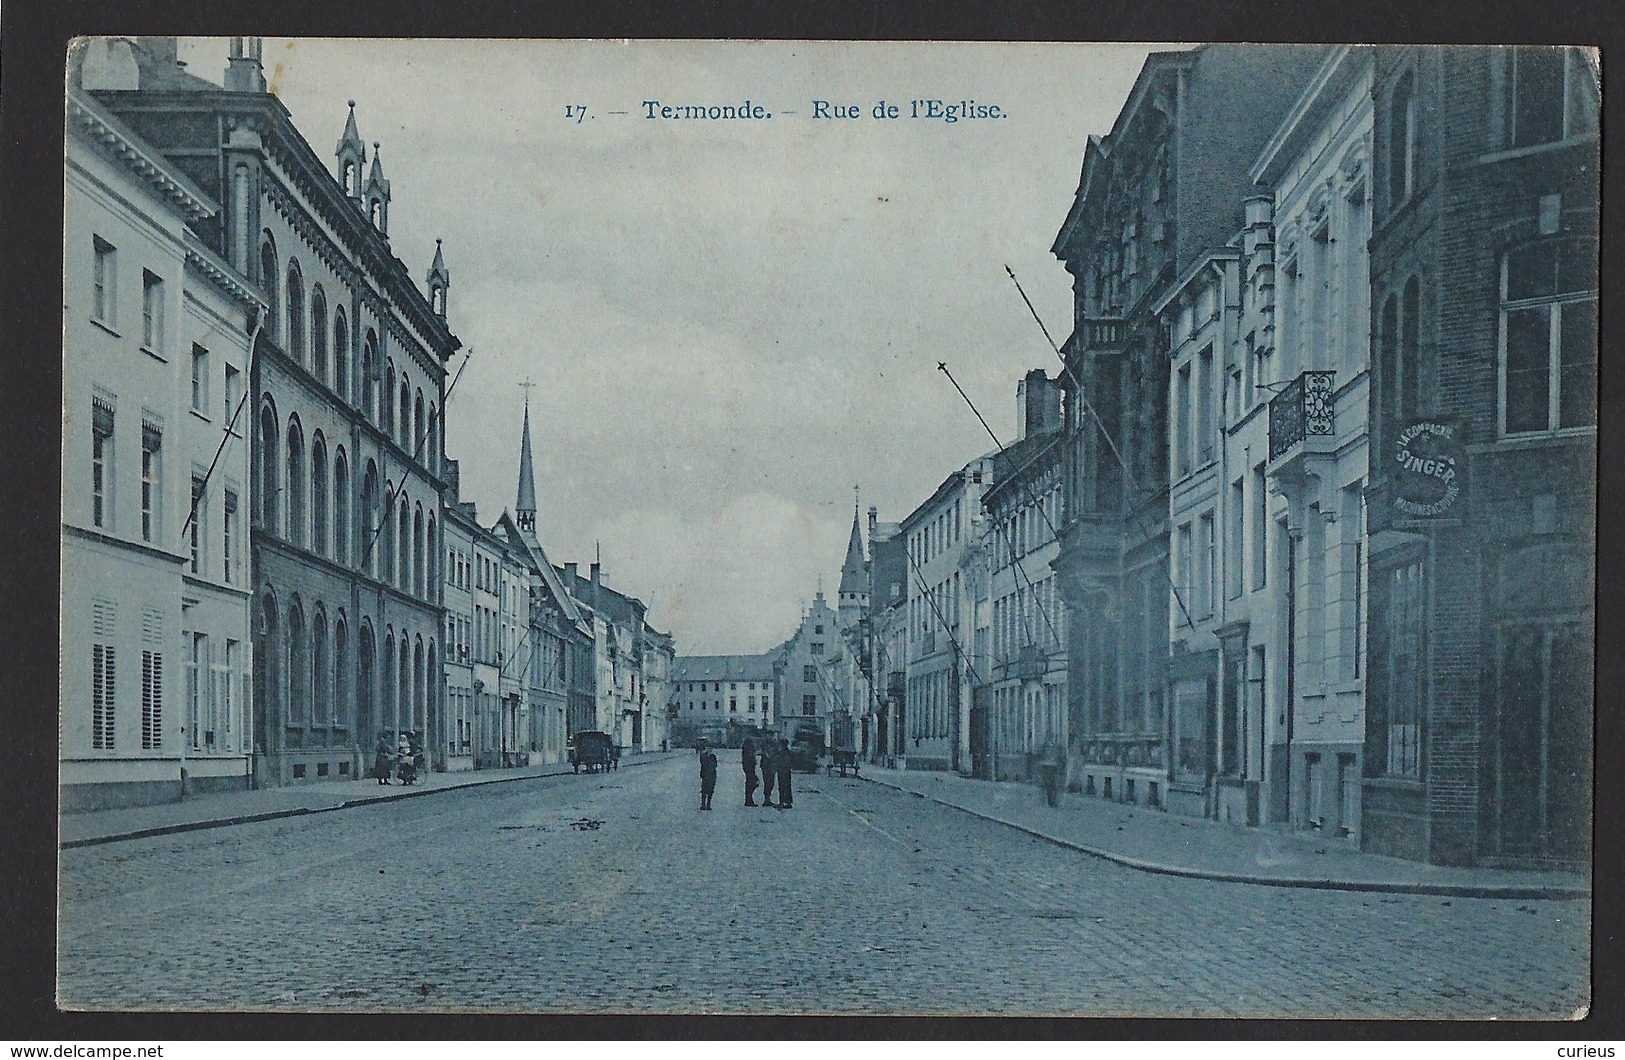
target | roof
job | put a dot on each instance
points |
(1014, 459)
(854, 577)
(532, 550)
(723, 667)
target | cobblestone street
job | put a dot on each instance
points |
(614, 893)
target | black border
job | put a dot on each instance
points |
(36, 33)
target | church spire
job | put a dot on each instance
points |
(854, 574)
(525, 505)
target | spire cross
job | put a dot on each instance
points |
(527, 386)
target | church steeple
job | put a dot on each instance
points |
(439, 282)
(376, 193)
(525, 506)
(854, 591)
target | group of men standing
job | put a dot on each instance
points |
(774, 759)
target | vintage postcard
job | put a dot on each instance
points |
(794, 527)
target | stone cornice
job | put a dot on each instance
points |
(129, 149)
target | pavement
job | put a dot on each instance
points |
(614, 892)
(242, 807)
(1174, 845)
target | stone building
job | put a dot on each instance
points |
(1162, 188)
(1483, 426)
(157, 329)
(347, 382)
(714, 694)
(455, 750)
(885, 626)
(805, 696)
(1020, 706)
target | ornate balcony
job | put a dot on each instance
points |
(1301, 412)
(1098, 333)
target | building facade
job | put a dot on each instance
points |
(1020, 646)
(805, 692)
(719, 697)
(347, 380)
(155, 597)
(1483, 426)
(1162, 188)
(455, 751)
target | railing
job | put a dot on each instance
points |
(1302, 410)
(1136, 749)
(1102, 331)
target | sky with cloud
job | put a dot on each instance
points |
(729, 323)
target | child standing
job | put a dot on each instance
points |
(708, 776)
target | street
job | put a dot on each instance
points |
(613, 892)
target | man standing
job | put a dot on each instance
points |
(781, 761)
(769, 771)
(747, 762)
(708, 776)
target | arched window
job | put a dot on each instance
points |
(389, 399)
(1388, 355)
(431, 687)
(341, 507)
(320, 675)
(296, 313)
(366, 724)
(341, 674)
(419, 687)
(403, 690)
(350, 183)
(432, 553)
(1402, 140)
(268, 278)
(419, 425)
(432, 450)
(318, 332)
(341, 356)
(296, 483)
(1409, 380)
(406, 413)
(369, 518)
(1549, 336)
(404, 543)
(297, 667)
(270, 479)
(382, 524)
(388, 683)
(318, 494)
(267, 687)
(417, 550)
(370, 373)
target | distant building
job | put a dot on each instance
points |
(155, 465)
(888, 638)
(713, 692)
(455, 750)
(805, 690)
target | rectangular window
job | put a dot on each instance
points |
(1403, 661)
(809, 674)
(809, 704)
(1183, 559)
(102, 697)
(101, 463)
(151, 480)
(200, 380)
(152, 313)
(1352, 520)
(733, 704)
(1204, 406)
(1261, 523)
(818, 647)
(1549, 337)
(234, 393)
(229, 537)
(1182, 421)
(1207, 556)
(195, 531)
(152, 700)
(106, 283)
(1236, 544)
(197, 667)
(227, 701)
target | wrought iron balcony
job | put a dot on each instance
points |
(1302, 410)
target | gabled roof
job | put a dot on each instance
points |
(532, 550)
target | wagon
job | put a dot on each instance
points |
(591, 749)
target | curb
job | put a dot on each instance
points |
(1448, 890)
(302, 811)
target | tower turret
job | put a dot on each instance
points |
(351, 153)
(853, 596)
(376, 193)
(524, 508)
(439, 283)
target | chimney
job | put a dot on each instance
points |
(243, 70)
(450, 471)
(1038, 404)
(597, 578)
(572, 574)
(874, 523)
(1259, 212)
(164, 52)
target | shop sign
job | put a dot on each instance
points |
(1428, 462)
